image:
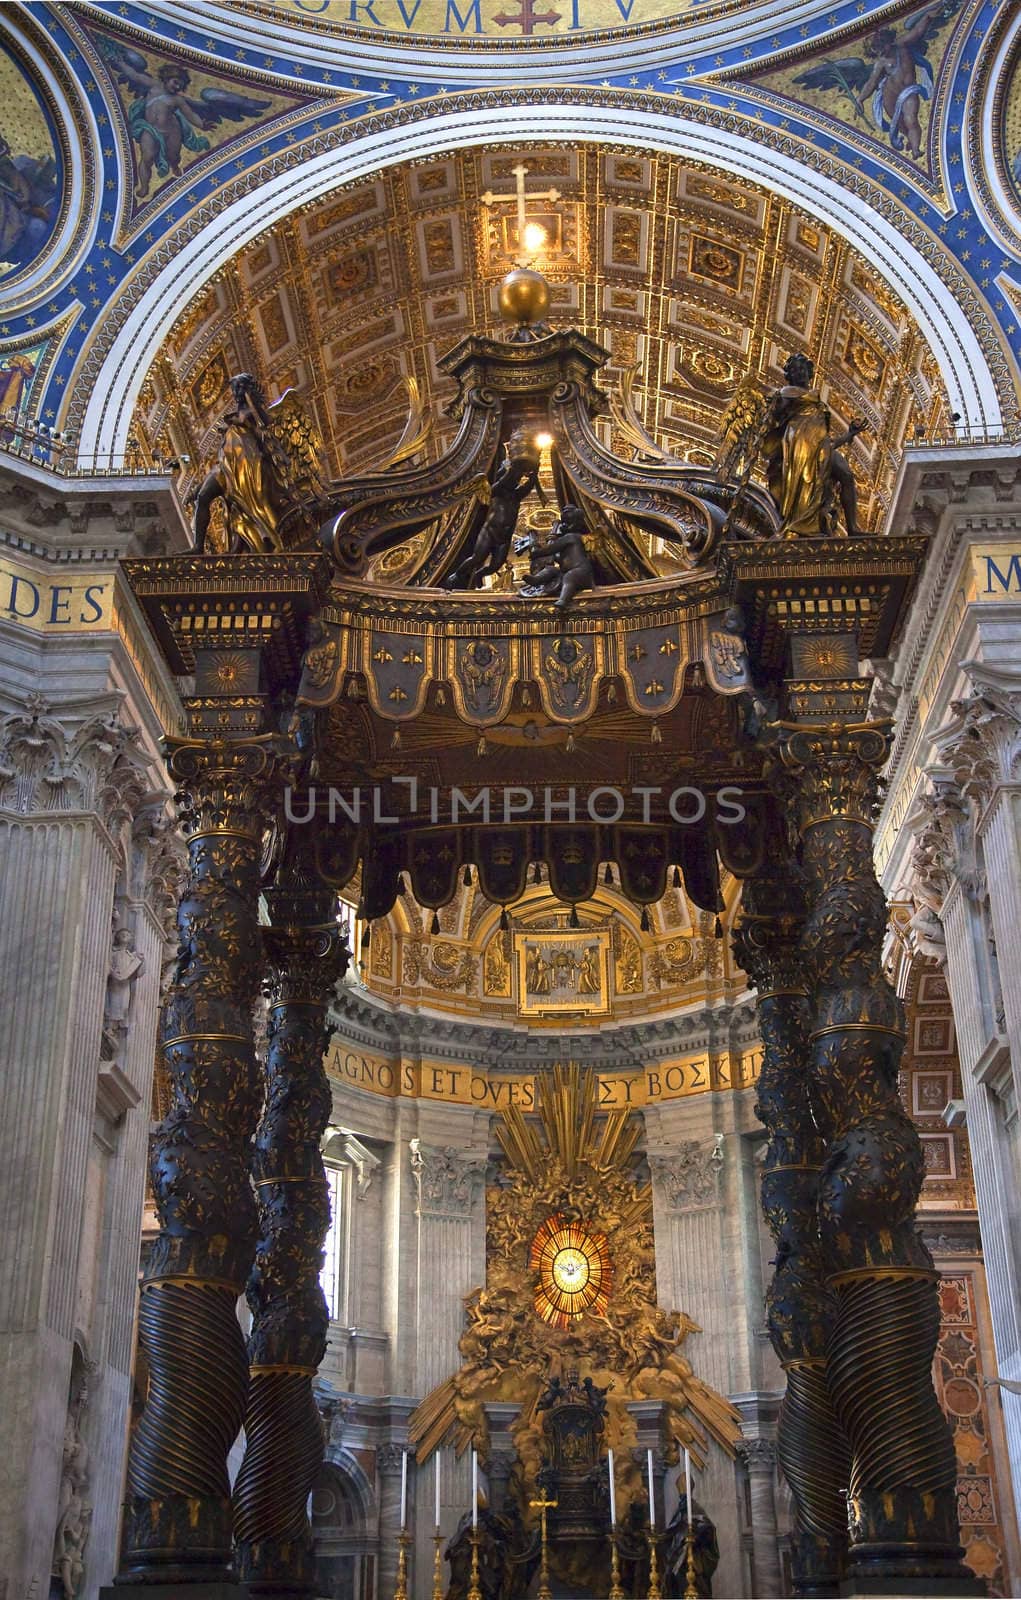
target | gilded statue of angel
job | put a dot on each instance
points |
(269, 473)
(894, 76)
(805, 467)
(163, 119)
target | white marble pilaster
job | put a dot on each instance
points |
(450, 1209)
(157, 856)
(759, 1457)
(68, 784)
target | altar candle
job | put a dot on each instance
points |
(652, 1492)
(404, 1490)
(687, 1485)
(437, 1488)
(613, 1489)
(475, 1490)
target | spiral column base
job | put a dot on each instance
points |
(902, 1508)
(284, 1451)
(816, 1462)
(193, 1415)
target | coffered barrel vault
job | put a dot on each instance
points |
(683, 272)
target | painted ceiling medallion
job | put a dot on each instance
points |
(575, 1274)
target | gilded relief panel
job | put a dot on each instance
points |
(562, 972)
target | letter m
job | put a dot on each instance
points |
(1010, 582)
(473, 13)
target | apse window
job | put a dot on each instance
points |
(332, 1275)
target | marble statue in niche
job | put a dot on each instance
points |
(126, 965)
(74, 1507)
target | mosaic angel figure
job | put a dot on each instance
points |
(163, 119)
(894, 76)
(28, 204)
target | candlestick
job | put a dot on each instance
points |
(401, 1589)
(404, 1490)
(655, 1592)
(687, 1481)
(438, 1590)
(474, 1588)
(437, 1517)
(691, 1586)
(616, 1591)
(652, 1491)
(475, 1490)
(613, 1489)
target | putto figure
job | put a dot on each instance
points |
(269, 474)
(805, 469)
(516, 478)
(894, 77)
(561, 566)
(164, 120)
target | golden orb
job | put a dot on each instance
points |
(524, 296)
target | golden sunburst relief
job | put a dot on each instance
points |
(575, 1273)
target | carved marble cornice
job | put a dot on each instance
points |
(72, 759)
(363, 1020)
(448, 1181)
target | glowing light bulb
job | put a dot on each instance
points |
(534, 236)
(543, 441)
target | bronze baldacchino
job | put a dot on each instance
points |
(805, 469)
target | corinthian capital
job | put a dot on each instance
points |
(229, 785)
(942, 823)
(77, 757)
(689, 1177)
(982, 745)
(448, 1180)
(832, 773)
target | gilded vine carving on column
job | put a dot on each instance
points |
(284, 1437)
(902, 1506)
(179, 1519)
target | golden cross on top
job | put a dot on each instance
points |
(520, 194)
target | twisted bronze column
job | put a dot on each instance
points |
(903, 1506)
(811, 1445)
(283, 1433)
(179, 1515)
